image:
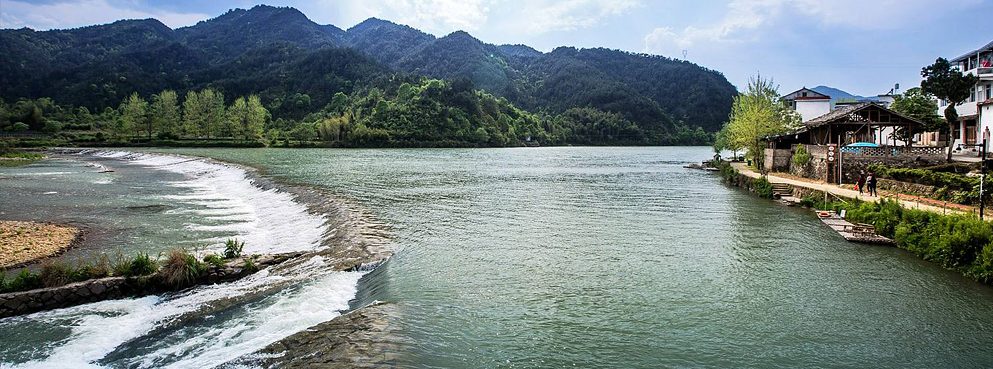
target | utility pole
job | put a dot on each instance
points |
(982, 178)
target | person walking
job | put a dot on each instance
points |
(860, 183)
(871, 182)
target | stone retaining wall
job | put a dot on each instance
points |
(26, 302)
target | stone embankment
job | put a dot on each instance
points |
(41, 299)
(23, 242)
(363, 338)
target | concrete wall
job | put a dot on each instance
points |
(777, 160)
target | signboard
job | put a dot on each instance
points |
(832, 149)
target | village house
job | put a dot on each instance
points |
(975, 113)
(808, 103)
(846, 140)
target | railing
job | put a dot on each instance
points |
(894, 151)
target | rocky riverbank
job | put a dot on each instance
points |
(24, 242)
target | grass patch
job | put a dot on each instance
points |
(250, 265)
(182, 269)
(139, 265)
(232, 248)
(214, 260)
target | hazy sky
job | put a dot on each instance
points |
(861, 46)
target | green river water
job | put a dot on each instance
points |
(594, 257)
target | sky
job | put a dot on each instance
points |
(861, 46)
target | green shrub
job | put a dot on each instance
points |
(182, 269)
(762, 187)
(958, 242)
(25, 280)
(99, 268)
(140, 265)
(801, 158)
(60, 273)
(250, 266)
(232, 248)
(212, 259)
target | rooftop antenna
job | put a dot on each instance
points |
(684, 54)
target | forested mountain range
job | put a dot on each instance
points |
(297, 66)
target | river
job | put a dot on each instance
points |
(561, 257)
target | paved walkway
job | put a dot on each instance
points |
(841, 191)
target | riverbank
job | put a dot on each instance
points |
(23, 242)
(956, 240)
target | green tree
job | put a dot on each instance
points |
(237, 117)
(212, 103)
(134, 115)
(949, 84)
(758, 113)
(256, 119)
(193, 117)
(84, 118)
(165, 113)
(916, 104)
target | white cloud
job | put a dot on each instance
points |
(544, 16)
(746, 18)
(71, 14)
(432, 16)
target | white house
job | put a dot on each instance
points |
(809, 103)
(975, 114)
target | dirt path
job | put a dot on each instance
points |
(21, 242)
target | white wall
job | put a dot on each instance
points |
(985, 122)
(810, 109)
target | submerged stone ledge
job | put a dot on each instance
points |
(41, 299)
(363, 338)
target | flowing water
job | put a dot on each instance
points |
(550, 257)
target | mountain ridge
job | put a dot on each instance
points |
(654, 92)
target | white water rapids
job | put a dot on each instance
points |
(202, 327)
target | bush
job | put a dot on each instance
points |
(762, 187)
(958, 242)
(232, 248)
(801, 158)
(140, 265)
(182, 269)
(60, 273)
(25, 280)
(212, 259)
(250, 266)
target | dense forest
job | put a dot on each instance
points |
(376, 84)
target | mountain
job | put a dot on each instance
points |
(837, 94)
(297, 66)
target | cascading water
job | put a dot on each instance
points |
(208, 325)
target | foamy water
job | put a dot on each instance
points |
(208, 325)
(267, 220)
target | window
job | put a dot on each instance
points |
(972, 95)
(988, 88)
(804, 94)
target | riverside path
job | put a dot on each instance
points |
(845, 192)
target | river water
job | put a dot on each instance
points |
(562, 257)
